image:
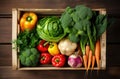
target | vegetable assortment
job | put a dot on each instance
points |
(57, 39)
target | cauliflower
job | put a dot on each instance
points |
(67, 47)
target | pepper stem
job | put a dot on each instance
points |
(42, 58)
(51, 45)
(45, 43)
(57, 60)
(29, 18)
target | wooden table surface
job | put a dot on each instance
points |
(113, 40)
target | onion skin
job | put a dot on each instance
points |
(75, 61)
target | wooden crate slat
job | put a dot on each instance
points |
(103, 45)
(14, 37)
(103, 51)
(54, 68)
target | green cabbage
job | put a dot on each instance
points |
(50, 29)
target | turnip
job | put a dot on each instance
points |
(75, 61)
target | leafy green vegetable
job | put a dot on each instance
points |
(66, 20)
(78, 19)
(101, 24)
(83, 24)
(74, 36)
(29, 57)
(91, 41)
(50, 29)
(27, 39)
(83, 12)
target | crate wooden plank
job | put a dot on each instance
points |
(14, 36)
(54, 68)
(16, 29)
(103, 45)
(103, 51)
(42, 11)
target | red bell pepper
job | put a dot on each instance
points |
(58, 60)
(45, 58)
(43, 46)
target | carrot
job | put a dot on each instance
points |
(85, 56)
(93, 61)
(97, 53)
(85, 61)
(87, 49)
(89, 59)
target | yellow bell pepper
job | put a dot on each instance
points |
(53, 49)
(28, 21)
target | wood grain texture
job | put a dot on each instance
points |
(113, 32)
(5, 30)
(110, 5)
(5, 55)
(14, 37)
(113, 56)
(7, 73)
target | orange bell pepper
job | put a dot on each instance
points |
(28, 21)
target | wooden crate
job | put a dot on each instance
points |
(16, 13)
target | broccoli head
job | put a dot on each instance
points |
(29, 57)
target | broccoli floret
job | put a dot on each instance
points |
(77, 18)
(29, 57)
(83, 12)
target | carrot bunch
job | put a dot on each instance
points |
(89, 57)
